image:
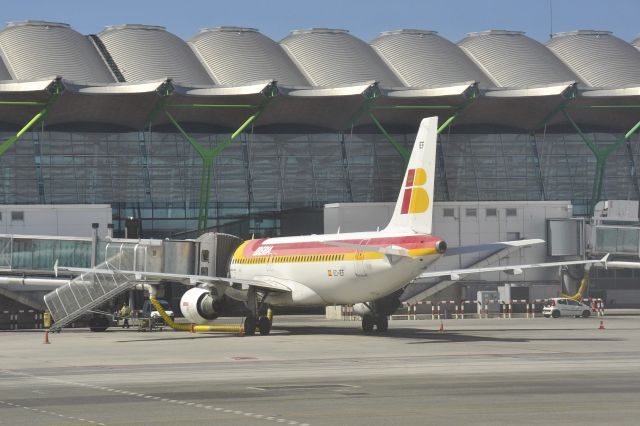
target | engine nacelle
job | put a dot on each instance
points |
(199, 306)
(361, 309)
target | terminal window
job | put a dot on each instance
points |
(471, 212)
(491, 212)
(512, 212)
(17, 216)
(513, 236)
(447, 213)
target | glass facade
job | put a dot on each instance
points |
(38, 254)
(156, 176)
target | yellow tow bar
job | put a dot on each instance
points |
(192, 327)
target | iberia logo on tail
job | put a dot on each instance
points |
(415, 199)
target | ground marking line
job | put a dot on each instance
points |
(51, 413)
(141, 395)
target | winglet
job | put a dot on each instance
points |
(604, 260)
(55, 268)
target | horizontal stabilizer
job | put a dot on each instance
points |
(454, 251)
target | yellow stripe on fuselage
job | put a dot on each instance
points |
(239, 258)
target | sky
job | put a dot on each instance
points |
(452, 19)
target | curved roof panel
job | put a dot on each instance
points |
(4, 72)
(514, 60)
(145, 52)
(237, 56)
(423, 58)
(598, 57)
(54, 49)
(334, 58)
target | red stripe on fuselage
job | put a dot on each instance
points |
(316, 247)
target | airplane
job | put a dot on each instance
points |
(367, 269)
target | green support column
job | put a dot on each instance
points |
(208, 156)
(404, 153)
(601, 154)
(6, 145)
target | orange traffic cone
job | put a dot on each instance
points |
(601, 327)
(441, 327)
(46, 337)
(241, 331)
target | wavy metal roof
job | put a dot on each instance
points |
(54, 49)
(4, 72)
(331, 57)
(423, 58)
(146, 52)
(598, 57)
(514, 60)
(238, 55)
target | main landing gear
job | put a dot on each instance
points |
(381, 322)
(259, 316)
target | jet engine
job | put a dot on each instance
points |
(199, 305)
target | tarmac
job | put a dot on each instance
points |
(313, 371)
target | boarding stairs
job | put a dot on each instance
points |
(86, 292)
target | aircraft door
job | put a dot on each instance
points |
(360, 261)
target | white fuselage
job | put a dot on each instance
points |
(319, 273)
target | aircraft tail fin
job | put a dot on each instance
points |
(414, 208)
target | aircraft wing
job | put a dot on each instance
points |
(512, 269)
(182, 278)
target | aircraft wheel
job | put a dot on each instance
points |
(264, 323)
(98, 324)
(250, 325)
(367, 323)
(382, 324)
(586, 314)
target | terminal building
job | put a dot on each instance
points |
(231, 131)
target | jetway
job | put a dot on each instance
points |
(208, 255)
(27, 263)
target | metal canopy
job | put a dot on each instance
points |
(322, 109)
(401, 109)
(205, 109)
(117, 106)
(610, 110)
(515, 109)
(20, 101)
(130, 107)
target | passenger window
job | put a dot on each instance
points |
(562, 302)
